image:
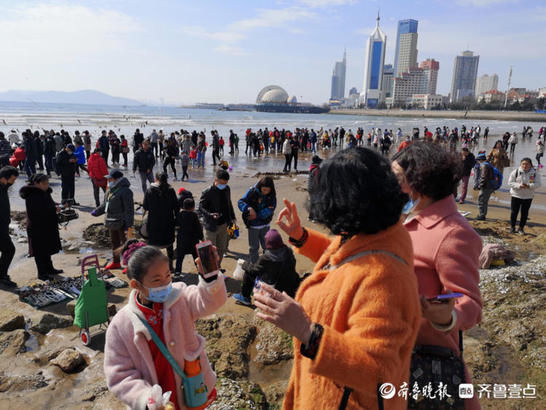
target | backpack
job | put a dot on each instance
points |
(496, 181)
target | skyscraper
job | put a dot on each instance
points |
(388, 77)
(430, 70)
(405, 56)
(465, 71)
(338, 79)
(373, 70)
(487, 83)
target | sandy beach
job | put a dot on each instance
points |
(28, 380)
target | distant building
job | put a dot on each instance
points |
(430, 70)
(338, 79)
(542, 92)
(405, 56)
(407, 84)
(388, 78)
(465, 71)
(373, 74)
(487, 83)
(491, 96)
(353, 91)
(426, 101)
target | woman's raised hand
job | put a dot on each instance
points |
(291, 224)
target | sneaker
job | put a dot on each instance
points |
(241, 299)
(521, 231)
(7, 282)
(113, 265)
(512, 230)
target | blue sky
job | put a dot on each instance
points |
(226, 51)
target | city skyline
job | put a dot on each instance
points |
(186, 52)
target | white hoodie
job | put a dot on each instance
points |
(518, 177)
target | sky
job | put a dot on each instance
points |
(186, 51)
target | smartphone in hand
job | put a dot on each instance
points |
(444, 297)
(208, 259)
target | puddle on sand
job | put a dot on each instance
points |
(269, 374)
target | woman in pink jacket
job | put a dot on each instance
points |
(446, 251)
(133, 363)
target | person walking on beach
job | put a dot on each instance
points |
(215, 148)
(172, 153)
(540, 152)
(485, 186)
(287, 152)
(185, 161)
(201, 149)
(469, 161)
(5, 150)
(153, 142)
(79, 153)
(115, 145)
(8, 175)
(498, 157)
(258, 206)
(98, 170)
(217, 210)
(190, 232)
(513, 140)
(523, 182)
(104, 145)
(124, 145)
(119, 209)
(49, 154)
(67, 164)
(42, 225)
(87, 143)
(144, 161)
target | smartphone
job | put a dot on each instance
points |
(444, 297)
(208, 259)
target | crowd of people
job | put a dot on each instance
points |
(397, 243)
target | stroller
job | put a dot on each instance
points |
(91, 306)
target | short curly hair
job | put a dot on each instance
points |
(356, 192)
(429, 169)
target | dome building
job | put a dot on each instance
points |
(272, 94)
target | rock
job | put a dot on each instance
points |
(10, 320)
(235, 394)
(272, 344)
(275, 392)
(49, 322)
(71, 307)
(98, 234)
(21, 383)
(228, 339)
(12, 343)
(70, 361)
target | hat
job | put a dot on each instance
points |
(182, 189)
(481, 155)
(273, 240)
(114, 174)
(71, 147)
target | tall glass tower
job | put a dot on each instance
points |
(465, 71)
(373, 70)
(405, 56)
(338, 79)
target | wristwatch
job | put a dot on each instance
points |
(310, 350)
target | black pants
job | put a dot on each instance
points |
(124, 159)
(185, 172)
(248, 284)
(96, 192)
(115, 156)
(105, 155)
(215, 156)
(67, 188)
(288, 160)
(154, 148)
(8, 251)
(44, 264)
(515, 205)
(171, 161)
(295, 158)
(180, 253)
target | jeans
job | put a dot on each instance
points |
(144, 176)
(49, 163)
(185, 172)
(96, 192)
(29, 166)
(483, 201)
(200, 159)
(219, 238)
(464, 188)
(8, 251)
(256, 237)
(515, 205)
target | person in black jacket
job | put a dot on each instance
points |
(144, 161)
(469, 160)
(276, 267)
(190, 232)
(8, 175)
(172, 154)
(49, 153)
(104, 145)
(30, 153)
(42, 225)
(217, 210)
(66, 166)
(120, 210)
(162, 205)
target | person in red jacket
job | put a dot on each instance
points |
(97, 171)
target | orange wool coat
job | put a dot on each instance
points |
(370, 311)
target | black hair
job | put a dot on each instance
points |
(268, 183)
(8, 172)
(429, 169)
(188, 203)
(222, 174)
(140, 259)
(38, 178)
(163, 179)
(529, 160)
(356, 192)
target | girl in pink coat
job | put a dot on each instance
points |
(133, 363)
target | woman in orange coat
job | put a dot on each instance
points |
(355, 319)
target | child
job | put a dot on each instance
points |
(190, 232)
(193, 156)
(185, 160)
(132, 361)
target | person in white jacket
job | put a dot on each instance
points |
(522, 182)
(513, 140)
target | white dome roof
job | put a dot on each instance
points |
(272, 94)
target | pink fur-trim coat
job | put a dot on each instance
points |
(128, 365)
